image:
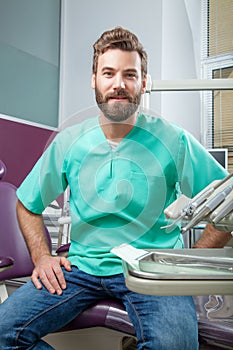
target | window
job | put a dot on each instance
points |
(217, 62)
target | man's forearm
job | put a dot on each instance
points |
(213, 238)
(32, 228)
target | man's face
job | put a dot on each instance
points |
(118, 84)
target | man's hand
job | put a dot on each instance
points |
(47, 269)
(48, 272)
(213, 238)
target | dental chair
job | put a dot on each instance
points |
(15, 261)
(103, 326)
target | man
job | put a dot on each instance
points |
(123, 169)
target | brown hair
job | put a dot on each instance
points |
(119, 38)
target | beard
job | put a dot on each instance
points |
(118, 111)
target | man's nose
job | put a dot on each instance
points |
(119, 82)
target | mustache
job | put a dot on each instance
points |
(119, 93)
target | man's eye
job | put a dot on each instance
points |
(107, 74)
(131, 75)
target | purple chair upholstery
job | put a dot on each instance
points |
(216, 333)
(109, 313)
(12, 241)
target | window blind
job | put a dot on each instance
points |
(220, 45)
(223, 116)
(220, 34)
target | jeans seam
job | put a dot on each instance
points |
(106, 289)
(138, 318)
(44, 312)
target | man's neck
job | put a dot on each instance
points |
(117, 131)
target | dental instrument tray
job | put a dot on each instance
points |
(182, 272)
(196, 264)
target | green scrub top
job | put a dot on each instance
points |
(119, 196)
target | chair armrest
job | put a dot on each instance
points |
(2, 170)
(5, 263)
(63, 250)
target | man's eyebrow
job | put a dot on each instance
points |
(125, 70)
(107, 68)
(131, 70)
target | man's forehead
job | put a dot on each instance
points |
(117, 57)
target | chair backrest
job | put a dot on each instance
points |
(12, 243)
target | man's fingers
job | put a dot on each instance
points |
(59, 273)
(66, 263)
(34, 278)
(60, 282)
(39, 278)
(48, 281)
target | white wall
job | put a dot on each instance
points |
(170, 33)
(181, 60)
(84, 23)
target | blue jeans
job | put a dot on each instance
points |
(161, 323)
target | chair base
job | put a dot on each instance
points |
(97, 338)
(3, 292)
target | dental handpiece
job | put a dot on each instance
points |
(224, 209)
(191, 207)
(200, 199)
(208, 208)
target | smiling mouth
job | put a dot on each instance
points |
(118, 98)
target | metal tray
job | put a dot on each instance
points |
(180, 264)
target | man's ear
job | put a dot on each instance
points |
(93, 81)
(144, 85)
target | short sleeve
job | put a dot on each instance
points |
(47, 179)
(197, 168)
